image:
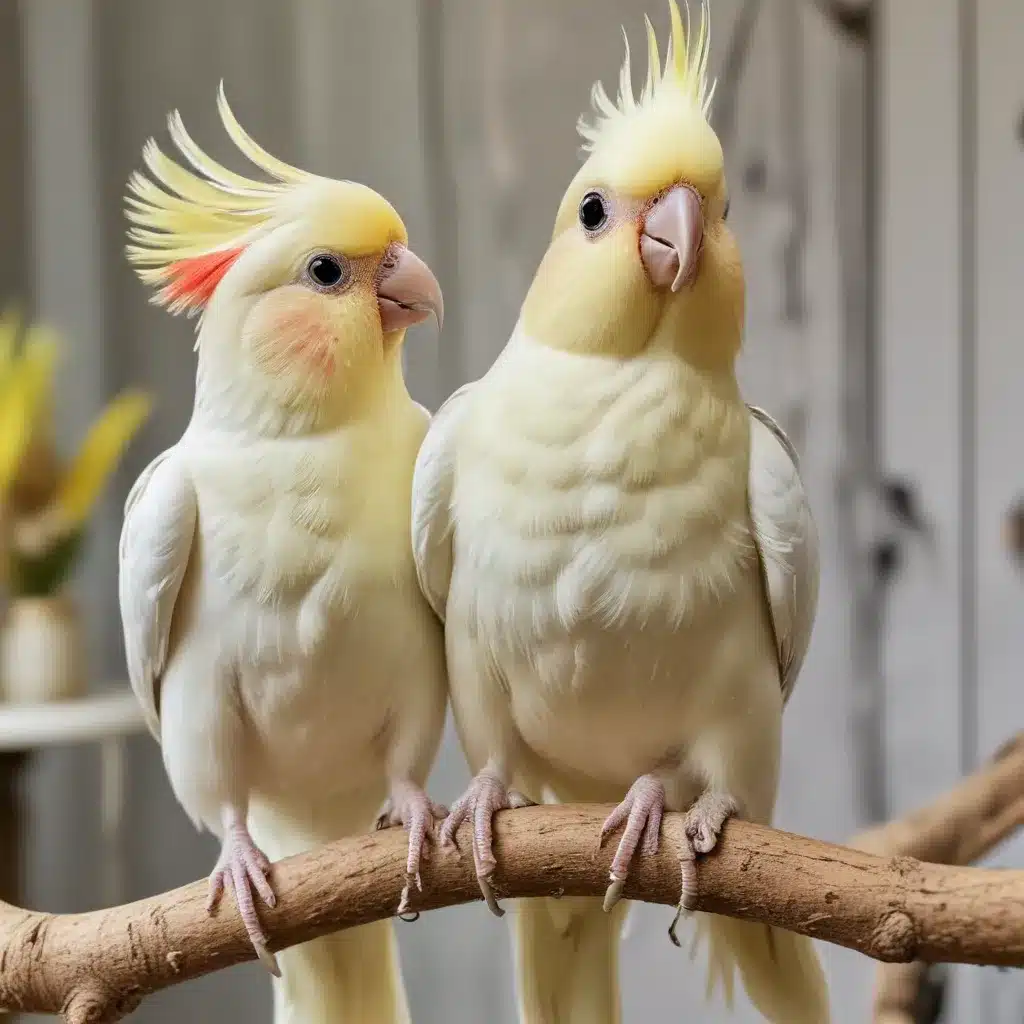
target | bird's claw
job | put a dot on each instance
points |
(486, 795)
(242, 867)
(613, 893)
(641, 811)
(701, 826)
(411, 808)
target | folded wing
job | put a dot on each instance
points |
(156, 544)
(787, 542)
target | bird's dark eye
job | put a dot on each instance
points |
(592, 211)
(326, 271)
(725, 212)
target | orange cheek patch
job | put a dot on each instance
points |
(294, 328)
(194, 280)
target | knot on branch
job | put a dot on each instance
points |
(92, 1002)
(894, 938)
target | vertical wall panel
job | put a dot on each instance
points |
(919, 327)
(62, 210)
(999, 378)
(924, 419)
(15, 255)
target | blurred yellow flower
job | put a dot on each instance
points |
(99, 455)
(25, 384)
(47, 533)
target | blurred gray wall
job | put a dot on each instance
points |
(475, 103)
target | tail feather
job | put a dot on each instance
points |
(780, 969)
(351, 977)
(567, 961)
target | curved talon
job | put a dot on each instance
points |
(267, 959)
(489, 898)
(687, 896)
(613, 894)
(673, 926)
(403, 904)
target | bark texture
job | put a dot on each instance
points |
(95, 968)
(959, 828)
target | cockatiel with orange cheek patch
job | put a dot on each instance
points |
(275, 632)
(622, 550)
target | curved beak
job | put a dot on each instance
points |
(672, 238)
(408, 292)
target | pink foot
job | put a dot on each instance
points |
(701, 826)
(411, 808)
(241, 867)
(641, 811)
(486, 795)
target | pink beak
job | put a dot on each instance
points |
(408, 292)
(672, 238)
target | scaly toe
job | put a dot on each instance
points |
(615, 819)
(216, 890)
(702, 839)
(456, 816)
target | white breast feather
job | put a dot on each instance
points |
(617, 487)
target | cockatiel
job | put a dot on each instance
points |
(265, 565)
(622, 550)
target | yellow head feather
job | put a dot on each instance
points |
(684, 77)
(180, 215)
(187, 227)
(640, 142)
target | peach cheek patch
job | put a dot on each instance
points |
(288, 329)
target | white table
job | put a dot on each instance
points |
(110, 714)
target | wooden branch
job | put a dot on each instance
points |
(95, 968)
(959, 828)
(963, 825)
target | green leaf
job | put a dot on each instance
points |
(44, 575)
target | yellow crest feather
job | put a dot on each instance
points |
(684, 74)
(178, 214)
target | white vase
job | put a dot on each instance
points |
(42, 656)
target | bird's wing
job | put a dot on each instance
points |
(156, 542)
(432, 486)
(787, 542)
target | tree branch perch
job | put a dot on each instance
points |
(960, 827)
(95, 968)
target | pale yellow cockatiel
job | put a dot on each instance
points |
(622, 550)
(275, 633)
